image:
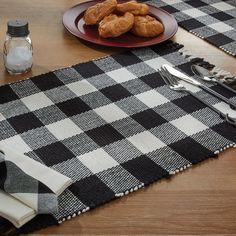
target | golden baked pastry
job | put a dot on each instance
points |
(114, 26)
(94, 14)
(146, 26)
(133, 7)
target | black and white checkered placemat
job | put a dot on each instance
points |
(112, 125)
(212, 20)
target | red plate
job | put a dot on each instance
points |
(74, 23)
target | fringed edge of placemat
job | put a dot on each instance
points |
(39, 222)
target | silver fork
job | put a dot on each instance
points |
(174, 84)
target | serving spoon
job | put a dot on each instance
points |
(208, 76)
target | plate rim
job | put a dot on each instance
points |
(79, 34)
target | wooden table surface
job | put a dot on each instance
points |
(198, 201)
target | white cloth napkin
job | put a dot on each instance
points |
(19, 205)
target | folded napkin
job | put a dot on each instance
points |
(27, 187)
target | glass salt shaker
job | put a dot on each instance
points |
(18, 51)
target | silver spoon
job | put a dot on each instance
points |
(206, 75)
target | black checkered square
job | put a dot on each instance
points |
(104, 135)
(144, 169)
(149, 119)
(45, 84)
(25, 122)
(116, 92)
(54, 153)
(126, 58)
(88, 69)
(73, 106)
(9, 94)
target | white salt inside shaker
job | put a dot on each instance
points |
(19, 59)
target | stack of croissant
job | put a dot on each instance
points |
(115, 19)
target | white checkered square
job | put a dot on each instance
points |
(121, 75)
(17, 143)
(222, 6)
(64, 129)
(36, 101)
(97, 160)
(225, 108)
(2, 117)
(189, 125)
(221, 27)
(194, 12)
(146, 142)
(81, 87)
(157, 62)
(110, 113)
(152, 98)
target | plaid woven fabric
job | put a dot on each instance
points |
(26, 188)
(112, 125)
(212, 20)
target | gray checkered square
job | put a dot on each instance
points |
(136, 86)
(164, 131)
(179, 16)
(25, 88)
(73, 168)
(60, 94)
(131, 105)
(50, 114)
(123, 179)
(206, 31)
(182, 6)
(88, 120)
(80, 144)
(38, 138)
(207, 20)
(145, 53)
(13, 108)
(171, 95)
(207, 97)
(232, 2)
(166, 109)
(230, 47)
(95, 99)
(34, 156)
(209, 9)
(207, 117)
(140, 69)
(122, 151)
(6, 130)
(174, 59)
(168, 159)
(232, 12)
(107, 64)
(231, 34)
(101, 81)
(210, 139)
(128, 126)
(232, 23)
(68, 209)
(68, 75)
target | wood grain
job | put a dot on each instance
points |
(199, 201)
